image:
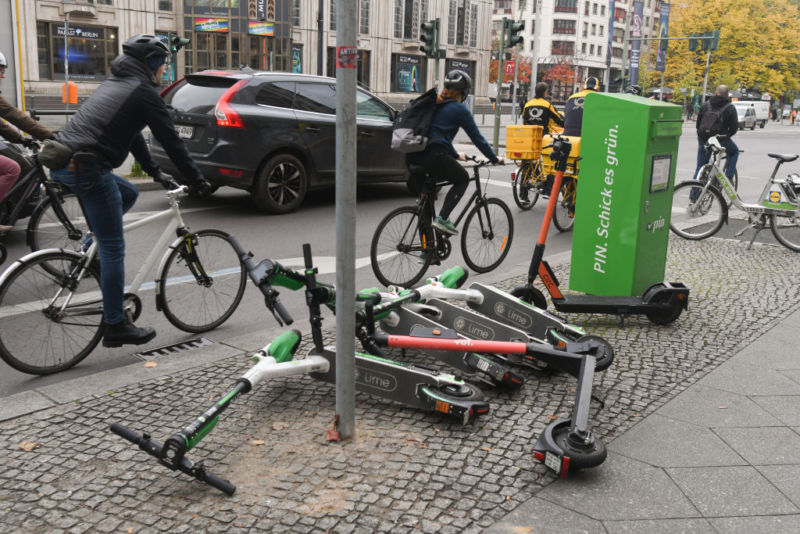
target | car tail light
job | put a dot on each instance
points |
(224, 113)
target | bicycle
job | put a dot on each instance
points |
(51, 303)
(707, 170)
(534, 179)
(699, 209)
(405, 243)
(56, 217)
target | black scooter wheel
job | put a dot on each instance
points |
(603, 352)
(530, 295)
(665, 317)
(581, 455)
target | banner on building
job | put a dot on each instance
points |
(211, 25)
(610, 32)
(636, 42)
(663, 32)
(297, 59)
(260, 28)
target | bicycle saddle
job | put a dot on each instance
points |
(785, 158)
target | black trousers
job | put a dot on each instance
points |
(443, 167)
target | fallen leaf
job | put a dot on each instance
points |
(28, 445)
(487, 449)
(150, 363)
(279, 425)
(130, 531)
(723, 407)
(551, 417)
(637, 415)
(257, 442)
(522, 530)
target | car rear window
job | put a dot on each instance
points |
(198, 94)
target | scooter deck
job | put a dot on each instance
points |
(506, 308)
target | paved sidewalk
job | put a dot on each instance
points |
(700, 418)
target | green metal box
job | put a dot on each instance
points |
(629, 151)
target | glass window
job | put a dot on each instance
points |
(564, 26)
(363, 73)
(398, 19)
(473, 27)
(370, 107)
(451, 22)
(363, 23)
(91, 49)
(563, 48)
(296, 12)
(43, 51)
(278, 94)
(594, 9)
(165, 5)
(198, 94)
(221, 51)
(317, 97)
(461, 24)
(332, 22)
(566, 6)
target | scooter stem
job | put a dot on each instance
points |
(538, 250)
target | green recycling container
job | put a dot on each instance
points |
(629, 150)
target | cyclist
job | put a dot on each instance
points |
(440, 157)
(727, 124)
(573, 110)
(540, 112)
(9, 169)
(107, 126)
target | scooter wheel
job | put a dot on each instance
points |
(530, 295)
(603, 353)
(462, 391)
(581, 455)
(665, 317)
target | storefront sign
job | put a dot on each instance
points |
(260, 28)
(210, 25)
(79, 32)
(261, 9)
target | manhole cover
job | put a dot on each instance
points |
(167, 350)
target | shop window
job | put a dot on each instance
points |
(91, 49)
(408, 73)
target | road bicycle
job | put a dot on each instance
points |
(699, 210)
(405, 243)
(56, 218)
(51, 306)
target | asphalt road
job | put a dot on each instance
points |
(281, 237)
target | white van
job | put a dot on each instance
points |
(761, 107)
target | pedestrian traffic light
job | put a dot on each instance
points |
(430, 38)
(514, 36)
(176, 42)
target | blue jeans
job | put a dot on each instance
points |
(731, 150)
(104, 197)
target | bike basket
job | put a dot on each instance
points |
(523, 142)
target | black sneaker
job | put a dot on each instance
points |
(124, 333)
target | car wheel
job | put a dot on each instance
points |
(281, 185)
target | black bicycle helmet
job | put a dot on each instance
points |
(3, 62)
(145, 46)
(458, 79)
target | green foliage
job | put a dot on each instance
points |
(136, 169)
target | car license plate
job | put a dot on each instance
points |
(185, 132)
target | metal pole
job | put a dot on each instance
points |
(346, 39)
(66, 66)
(320, 37)
(514, 92)
(499, 99)
(436, 61)
(661, 92)
(705, 79)
(536, 50)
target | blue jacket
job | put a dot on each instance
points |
(447, 119)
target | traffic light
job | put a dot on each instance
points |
(693, 43)
(714, 40)
(176, 42)
(514, 32)
(429, 36)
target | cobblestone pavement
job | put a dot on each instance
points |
(407, 470)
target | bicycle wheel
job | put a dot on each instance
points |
(396, 249)
(787, 230)
(697, 211)
(564, 214)
(45, 229)
(525, 194)
(202, 281)
(48, 327)
(486, 235)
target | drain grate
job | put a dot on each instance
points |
(167, 350)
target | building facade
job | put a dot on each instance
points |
(573, 37)
(262, 34)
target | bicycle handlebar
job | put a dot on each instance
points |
(173, 458)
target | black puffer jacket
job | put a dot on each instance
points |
(110, 122)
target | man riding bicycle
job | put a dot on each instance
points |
(105, 128)
(440, 157)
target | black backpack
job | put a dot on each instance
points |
(712, 122)
(410, 130)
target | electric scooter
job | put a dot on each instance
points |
(662, 302)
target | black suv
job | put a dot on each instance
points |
(274, 133)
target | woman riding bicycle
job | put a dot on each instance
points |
(440, 157)
(9, 169)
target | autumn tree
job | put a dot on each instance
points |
(758, 45)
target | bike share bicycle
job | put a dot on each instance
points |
(699, 209)
(662, 302)
(56, 218)
(53, 296)
(405, 243)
